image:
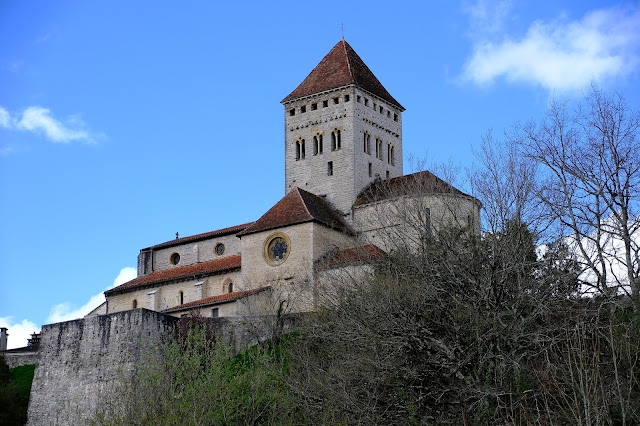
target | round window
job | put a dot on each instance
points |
(277, 248)
(174, 259)
(219, 249)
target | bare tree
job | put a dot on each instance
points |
(590, 160)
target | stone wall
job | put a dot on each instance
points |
(81, 362)
(23, 356)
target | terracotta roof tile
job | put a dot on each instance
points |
(199, 269)
(341, 67)
(352, 255)
(218, 233)
(227, 297)
(298, 206)
(423, 182)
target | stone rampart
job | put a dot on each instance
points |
(81, 362)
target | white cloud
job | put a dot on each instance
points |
(560, 55)
(19, 332)
(66, 312)
(37, 119)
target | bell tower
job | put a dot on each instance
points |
(343, 130)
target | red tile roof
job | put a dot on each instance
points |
(298, 206)
(198, 270)
(352, 255)
(214, 300)
(423, 182)
(198, 237)
(341, 67)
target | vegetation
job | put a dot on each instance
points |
(535, 321)
(15, 387)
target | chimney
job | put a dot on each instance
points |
(3, 338)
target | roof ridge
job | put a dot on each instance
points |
(304, 203)
(346, 53)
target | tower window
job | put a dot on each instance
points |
(302, 149)
(230, 287)
(325, 104)
(379, 148)
(298, 150)
(346, 98)
(336, 100)
(390, 155)
(330, 168)
(215, 313)
(314, 107)
(388, 114)
(335, 140)
(370, 170)
(292, 111)
(367, 143)
(366, 102)
(174, 259)
(317, 144)
(303, 108)
(359, 99)
(381, 109)
(387, 174)
(134, 305)
(181, 297)
(395, 117)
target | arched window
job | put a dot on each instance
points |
(390, 155)
(302, 148)
(317, 144)
(320, 143)
(230, 287)
(134, 305)
(335, 140)
(297, 150)
(367, 143)
(181, 298)
(379, 148)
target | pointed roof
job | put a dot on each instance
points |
(298, 206)
(341, 67)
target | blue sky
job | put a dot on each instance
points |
(122, 123)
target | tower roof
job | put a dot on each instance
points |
(341, 67)
(298, 206)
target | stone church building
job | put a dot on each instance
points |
(346, 202)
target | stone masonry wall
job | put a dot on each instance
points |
(81, 362)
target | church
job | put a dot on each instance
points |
(347, 202)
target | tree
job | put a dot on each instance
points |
(590, 163)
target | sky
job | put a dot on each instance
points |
(122, 123)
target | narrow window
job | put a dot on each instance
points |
(388, 114)
(339, 134)
(181, 298)
(359, 99)
(297, 150)
(367, 143)
(215, 313)
(346, 98)
(292, 111)
(336, 100)
(370, 170)
(135, 303)
(387, 174)
(366, 102)
(392, 157)
(315, 145)
(381, 109)
(325, 104)
(378, 148)
(395, 117)
(334, 143)
(230, 287)
(302, 149)
(314, 107)
(389, 153)
(320, 143)
(375, 106)
(330, 168)
(303, 108)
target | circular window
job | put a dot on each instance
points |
(276, 249)
(174, 258)
(219, 249)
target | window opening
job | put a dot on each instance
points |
(392, 156)
(330, 168)
(215, 313)
(292, 111)
(395, 117)
(388, 114)
(320, 143)
(181, 298)
(336, 100)
(135, 303)
(230, 287)
(378, 148)
(346, 98)
(297, 150)
(315, 145)
(303, 108)
(325, 104)
(335, 140)
(367, 142)
(381, 109)
(314, 107)
(370, 170)
(366, 102)
(387, 174)
(375, 106)
(359, 99)
(302, 149)
(175, 259)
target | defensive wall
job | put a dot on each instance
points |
(81, 363)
